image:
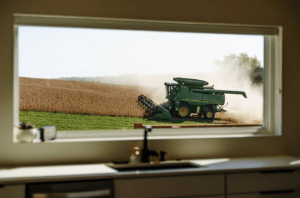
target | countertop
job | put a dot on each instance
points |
(22, 175)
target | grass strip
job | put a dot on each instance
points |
(77, 122)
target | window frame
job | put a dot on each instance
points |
(272, 66)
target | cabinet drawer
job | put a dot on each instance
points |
(17, 191)
(170, 186)
(263, 181)
(295, 194)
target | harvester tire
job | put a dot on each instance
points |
(184, 111)
(209, 114)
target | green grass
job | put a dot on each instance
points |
(76, 122)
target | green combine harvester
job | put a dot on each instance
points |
(185, 97)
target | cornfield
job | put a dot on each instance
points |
(79, 97)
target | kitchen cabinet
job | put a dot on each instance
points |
(287, 194)
(16, 191)
(264, 184)
(180, 186)
(260, 184)
(263, 181)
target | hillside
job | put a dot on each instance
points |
(79, 97)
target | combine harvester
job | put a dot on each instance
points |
(185, 97)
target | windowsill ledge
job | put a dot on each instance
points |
(160, 134)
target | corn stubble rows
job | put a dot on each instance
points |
(79, 97)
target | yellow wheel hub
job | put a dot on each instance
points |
(183, 111)
(209, 114)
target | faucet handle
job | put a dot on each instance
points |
(162, 156)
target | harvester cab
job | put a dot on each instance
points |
(186, 97)
(171, 90)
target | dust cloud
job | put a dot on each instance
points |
(239, 110)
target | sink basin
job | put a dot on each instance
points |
(154, 166)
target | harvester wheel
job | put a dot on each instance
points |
(209, 114)
(184, 111)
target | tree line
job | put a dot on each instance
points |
(243, 63)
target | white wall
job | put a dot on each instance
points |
(257, 12)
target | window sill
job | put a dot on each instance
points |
(160, 134)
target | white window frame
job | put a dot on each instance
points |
(272, 80)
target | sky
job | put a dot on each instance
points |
(54, 52)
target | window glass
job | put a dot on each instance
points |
(91, 79)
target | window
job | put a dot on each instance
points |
(130, 58)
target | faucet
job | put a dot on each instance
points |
(145, 152)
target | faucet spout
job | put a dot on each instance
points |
(145, 152)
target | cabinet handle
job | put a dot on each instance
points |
(278, 171)
(277, 192)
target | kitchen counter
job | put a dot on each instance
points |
(22, 175)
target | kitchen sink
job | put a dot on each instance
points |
(154, 166)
